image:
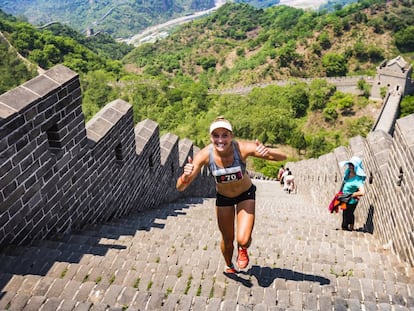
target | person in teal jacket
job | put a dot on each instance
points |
(354, 178)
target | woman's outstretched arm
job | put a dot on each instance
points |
(259, 150)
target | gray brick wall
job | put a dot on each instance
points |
(386, 209)
(58, 173)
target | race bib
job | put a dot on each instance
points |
(227, 175)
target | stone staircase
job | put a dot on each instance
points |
(169, 259)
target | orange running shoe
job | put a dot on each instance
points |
(230, 270)
(242, 258)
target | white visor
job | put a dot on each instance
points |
(220, 124)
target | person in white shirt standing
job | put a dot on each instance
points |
(289, 182)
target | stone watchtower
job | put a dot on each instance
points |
(394, 75)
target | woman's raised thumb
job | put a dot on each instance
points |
(190, 160)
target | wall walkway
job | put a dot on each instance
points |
(58, 174)
(168, 258)
(386, 209)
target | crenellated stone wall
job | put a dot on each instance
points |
(58, 173)
(387, 208)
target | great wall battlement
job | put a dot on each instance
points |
(58, 174)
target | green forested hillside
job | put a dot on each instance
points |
(13, 71)
(120, 19)
(240, 45)
(170, 81)
(92, 57)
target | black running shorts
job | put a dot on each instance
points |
(222, 200)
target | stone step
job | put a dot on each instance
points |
(36, 294)
(169, 259)
(30, 292)
(364, 290)
(32, 262)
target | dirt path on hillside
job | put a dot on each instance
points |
(25, 60)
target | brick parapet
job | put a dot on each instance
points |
(58, 174)
(386, 209)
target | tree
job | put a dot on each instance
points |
(52, 53)
(343, 102)
(407, 106)
(39, 57)
(317, 146)
(404, 39)
(377, 24)
(383, 91)
(75, 62)
(297, 95)
(361, 126)
(319, 93)
(207, 62)
(298, 141)
(334, 64)
(23, 38)
(364, 87)
(13, 71)
(287, 53)
(360, 17)
(330, 114)
(360, 51)
(375, 53)
(316, 49)
(324, 40)
(96, 88)
(152, 70)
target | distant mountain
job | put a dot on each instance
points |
(125, 18)
(259, 3)
(239, 45)
(119, 18)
